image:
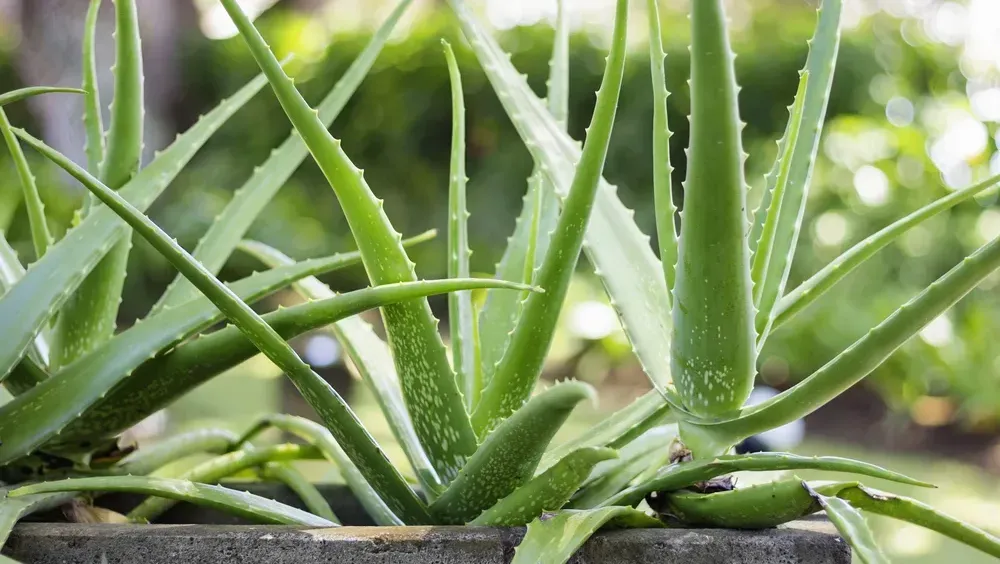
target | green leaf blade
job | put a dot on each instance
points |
(147, 459)
(298, 483)
(41, 237)
(663, 197)
(93, 122)
(554, 539)
(28, 92)
(852, 526)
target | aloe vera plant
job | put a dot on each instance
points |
(477, 438)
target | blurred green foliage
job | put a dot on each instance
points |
(871, 171)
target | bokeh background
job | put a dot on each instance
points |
(914, 114)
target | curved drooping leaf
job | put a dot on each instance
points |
(216, 469)
(250, 199)
(508, 457)
(621, 254)
(296, 481)
(663, 197)
(820, 63)
(371, 358)
(810, 290)
(22, 93)
(88, 318)
(148, 458)
(683, 474)
(13, 510)
(243, 504)
(851, 525)
(41, 237)
(427, 380)
(852, 365)
(554, 539)
(350, 433)
(533, 228)
(547, 491)
(158, 381)
(93, 122)
(323, 440)
(516, 375)
(25, 308)
(920, 514)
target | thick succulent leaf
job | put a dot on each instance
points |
(89, 316)
(765, 246)
(616, 430)
(533, 228)
(250, 199)
(26, 307)
(13, 510)
(298, 483)
(22, 93)
(93, 122)
(11, 272)
(332, 408)
(41, 237)
(922, 515)
(509, 455)
(645, 455)
(554, 538)
(852, 365)
(428, 382)
(518, 371)
(40, 414)
(713, 351)
(548, 491)
(217, 469)
(243, 504)
(146, 459)
(823, 49)
(371, 358)
(26, 375)
(817, 284)
(852, 526)
(316, 435)
(663, 197)
(460, 309)
(683, 474)
(621, 254)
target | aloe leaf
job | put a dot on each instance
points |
(60, 400)
(858, 360)
(41, 237)
(554, 538)
(11, 271)
(509, 455)
(371, 358)
(765, 246)
(216, 469)
(810, 290)
(193, 363)
(647, 454)
(920, 514)
(517, 373)
(663, 197)
(316, 435)
(428, 382)
(250, 200)
(26, 307)
(93, 122)
(26, 375)
(620, 253)
(460, 310)
(851, 525)
(547, 491)
(149, 458)
(683, 474)
(13, 510)
(243, 504)
(346, 427)
(23, 93)
(823, 49)
(89, 316)
(298, 483)
(533, 228)
(713, 351)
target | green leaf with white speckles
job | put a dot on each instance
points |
(243, 504)
(646, 454)
(554, 539)
(427, 380)
(508, 457)
(547, 491)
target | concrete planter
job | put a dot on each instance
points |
(190, 536)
